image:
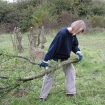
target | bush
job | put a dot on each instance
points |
(98, 21)
(98, 8)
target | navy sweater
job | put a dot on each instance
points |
(62, 45)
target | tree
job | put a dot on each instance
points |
(39, 15)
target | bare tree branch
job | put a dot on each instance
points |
(52, 69)
(19, 81)
(18, 56)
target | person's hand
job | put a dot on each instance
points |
(43, 64)
(79, 55)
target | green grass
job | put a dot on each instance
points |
(90, 74)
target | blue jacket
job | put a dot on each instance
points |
(62, 45)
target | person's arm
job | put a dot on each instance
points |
(75, 45)
(76, 50)
(54, 47)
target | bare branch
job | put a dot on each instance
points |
(19, 81)
(18, 56)
(52, 69)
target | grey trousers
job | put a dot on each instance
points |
(69, 71)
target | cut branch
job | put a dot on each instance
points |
(52, 69)
(19, 81)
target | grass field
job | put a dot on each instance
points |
(90, 74)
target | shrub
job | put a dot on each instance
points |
(98, 21)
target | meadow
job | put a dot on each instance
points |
(90, 74)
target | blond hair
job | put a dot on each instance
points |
(78, 26)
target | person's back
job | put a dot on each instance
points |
(61, 46)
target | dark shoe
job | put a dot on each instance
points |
(71, 95)
(42, 99)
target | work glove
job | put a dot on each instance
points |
(43, 64)
(79, 55)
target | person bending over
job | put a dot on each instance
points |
(60, 49)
